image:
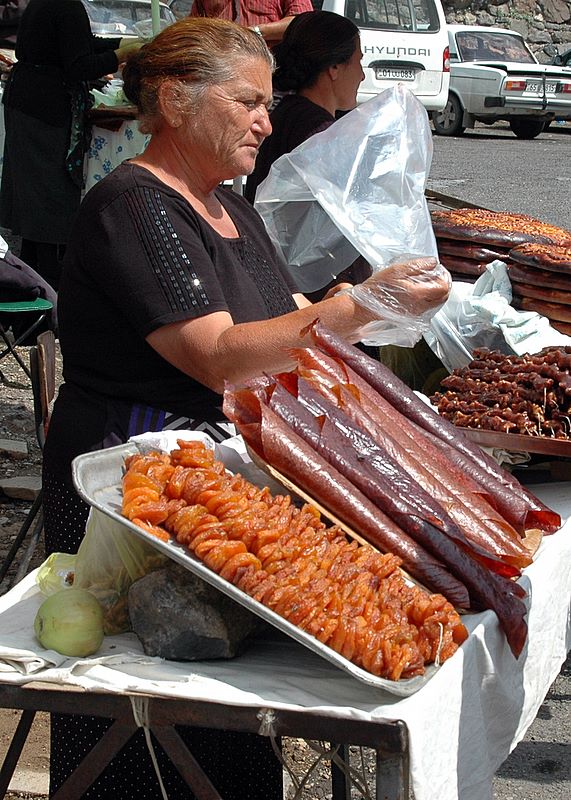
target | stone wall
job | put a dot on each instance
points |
(540, 22)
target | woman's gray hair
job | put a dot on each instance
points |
(194, 53)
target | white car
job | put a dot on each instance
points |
(125, 18)
(495, 76)
(403, 41)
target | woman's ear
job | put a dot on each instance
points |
(333, 72)
(169, 105)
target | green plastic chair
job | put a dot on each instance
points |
(22, 307)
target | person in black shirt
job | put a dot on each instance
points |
(171, 286)
(318, 65)
(44, 104)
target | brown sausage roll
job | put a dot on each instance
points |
(463, 266)
(474, 252)
(520, 273)
(562, 327)
(558, 296)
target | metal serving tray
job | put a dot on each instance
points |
(97, 477)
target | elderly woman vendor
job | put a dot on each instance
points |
(170, 288)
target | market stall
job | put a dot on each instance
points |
(464, 686)
(462, 723)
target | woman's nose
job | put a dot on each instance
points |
(263, 121)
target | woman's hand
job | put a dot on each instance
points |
(411, 287)
(336, 289)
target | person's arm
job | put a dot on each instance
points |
(80, 57)
(273, 31)
(212, 349)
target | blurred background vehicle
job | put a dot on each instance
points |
(403, 41)
(124, 18)
(560, 56)
(495, 76)
(180, 8)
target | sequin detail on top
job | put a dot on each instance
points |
(180, 283)
(276, 295)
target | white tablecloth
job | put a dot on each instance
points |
(463, 723)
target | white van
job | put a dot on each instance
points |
(403, 41)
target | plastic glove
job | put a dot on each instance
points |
(402, 298)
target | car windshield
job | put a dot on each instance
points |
(488, 46)
(397, 15)
(120, 18)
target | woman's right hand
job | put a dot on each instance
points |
(410, 287)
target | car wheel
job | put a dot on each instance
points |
(448, 122)
(527, 128)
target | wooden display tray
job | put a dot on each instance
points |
(123, 112)
(518, 442)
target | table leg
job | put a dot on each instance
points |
(340, 780)
(15, 750)
(392, 777)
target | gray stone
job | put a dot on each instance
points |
(178, 616)
(538, 37)
(485, 19)
(21, 488)
(15, 448)
(557, 11)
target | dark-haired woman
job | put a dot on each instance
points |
(319, 64)
(171, 287)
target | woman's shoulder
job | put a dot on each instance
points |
(297, 118)
(127, 178)
(298, 104)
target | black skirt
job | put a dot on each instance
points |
(38, 199)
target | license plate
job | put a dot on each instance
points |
(537, 87)
(394, 74)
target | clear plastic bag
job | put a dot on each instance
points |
(357, 188)
(110, 558)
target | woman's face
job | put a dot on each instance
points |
(349, 77)
(225, 135)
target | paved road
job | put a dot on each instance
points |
(490, 167)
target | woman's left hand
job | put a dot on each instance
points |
(335, 289)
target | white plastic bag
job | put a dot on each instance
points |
(480, 315)
(110, 558)
(356, 188)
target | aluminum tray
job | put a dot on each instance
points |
(97, 477)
